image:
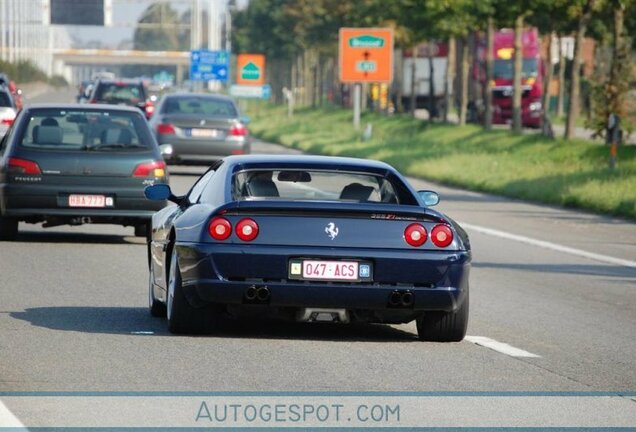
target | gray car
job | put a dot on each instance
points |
(200, 127)
(71, 164)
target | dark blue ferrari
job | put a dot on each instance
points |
(308, 238)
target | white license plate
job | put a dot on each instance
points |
(204, 133)
(330, 270)
(86, 201)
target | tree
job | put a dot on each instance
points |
(459, 19)
(157, 29)
(609, 96)
(581, 10)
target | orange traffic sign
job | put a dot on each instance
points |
(366, 55)
(250, 69)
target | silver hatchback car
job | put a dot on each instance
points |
(200, 127)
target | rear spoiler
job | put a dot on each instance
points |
(321, 208)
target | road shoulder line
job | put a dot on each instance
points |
(501, 347)
(550, 245)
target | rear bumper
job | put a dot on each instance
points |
(37, 203)
(212, 274)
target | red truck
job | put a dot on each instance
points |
(531, 78)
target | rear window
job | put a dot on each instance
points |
(88, 130)
(120, 92)
(198, 105)
(313, 185)
(5, 100)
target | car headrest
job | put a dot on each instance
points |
(356, 191)
(116, 136)
(47, 134)
(262, 187)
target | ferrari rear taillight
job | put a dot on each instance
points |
(415, 234)
(23, 166)
(220, 228)
(247, 229)
(150, 169)
(238, 130)
(166, 129)
(441, 235)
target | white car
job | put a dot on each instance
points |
(7, 110)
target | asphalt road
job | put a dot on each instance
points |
(557, 284)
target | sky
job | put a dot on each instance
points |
(125, 15)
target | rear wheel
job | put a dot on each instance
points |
(182, 317)
(444, 326)
(8, 228)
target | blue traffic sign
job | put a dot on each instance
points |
(209, 65)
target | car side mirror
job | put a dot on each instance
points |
(429, 198)
(158, 192)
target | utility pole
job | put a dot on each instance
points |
(195, 25)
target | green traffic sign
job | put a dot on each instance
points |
(250, 72)
(366, 41)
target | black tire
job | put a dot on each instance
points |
(8, 228)
(157, 308)
(182, 317)
(444, 326)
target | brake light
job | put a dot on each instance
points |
(23, 166)
(441, 235)
(238, 130)
(7, 121)
(150, 109)
(415, 235)
(150, 169)
(166, 129)
(247, 229)
(220, 228)
(92, 101)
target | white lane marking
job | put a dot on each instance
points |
(7, 419)
(501, 347)
(142, 332)
(549, 245)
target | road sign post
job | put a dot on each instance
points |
(365, 55)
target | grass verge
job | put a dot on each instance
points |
(569, 173)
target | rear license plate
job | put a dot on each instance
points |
(323, 270)
(204, 133)
(76, 200)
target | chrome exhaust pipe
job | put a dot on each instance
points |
(407, 298)
(395, 298)
(262, 294)
(250, 293)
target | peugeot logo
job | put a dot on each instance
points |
(332, 230)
